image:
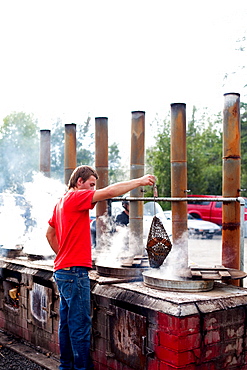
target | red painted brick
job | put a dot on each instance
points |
(153, 336)
(179, 343)
(208, 366)
(153, 364)
(235, 315)
(166, 366)
(179, 325)
(112, 363)
(211, 352)
(224, 317)
(175, 358)
(232, 361)
(235, 346)
(96, 365)
(99, 356)
(234, 331)
(212, 336)
(214, 320)
(125, 367)
(103, 367)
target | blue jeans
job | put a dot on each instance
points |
(75, 320)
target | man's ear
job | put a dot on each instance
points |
(79, 181)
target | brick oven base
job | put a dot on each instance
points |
(134, 327)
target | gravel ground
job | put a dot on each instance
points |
(17, 354)
(11, 360)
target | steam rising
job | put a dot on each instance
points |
(43, 193)
(175, 265)
(114, 244)
(12, 223)
(26, 226)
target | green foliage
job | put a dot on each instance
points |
(158, 163)
(19, 151)
(85, 153)
(204, 156)
(116, 173)
(84, 141)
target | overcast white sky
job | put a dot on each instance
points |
(71, 59)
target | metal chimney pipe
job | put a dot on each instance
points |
(45, 152)
(137, 170)
(231, 181)
(179, 180)
(101, 165)
(69, 151)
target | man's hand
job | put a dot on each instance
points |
(148, 180)
(121, 188)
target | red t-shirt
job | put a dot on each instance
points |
(72, 224)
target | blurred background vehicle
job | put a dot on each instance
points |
(198, 227)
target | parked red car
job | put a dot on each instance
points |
(206, 210)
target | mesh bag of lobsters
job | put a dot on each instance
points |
(158, 243)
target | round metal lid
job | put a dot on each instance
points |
(179, 284)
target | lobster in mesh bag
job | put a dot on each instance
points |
(158, 242)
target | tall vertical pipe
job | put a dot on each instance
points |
(137, 170)
(101, 165)
(45, 152)
(179, 180)
(69, 151)
(231, 181)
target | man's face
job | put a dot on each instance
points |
(89, 184)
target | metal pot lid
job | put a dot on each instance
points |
(120, 272)
(179, 284)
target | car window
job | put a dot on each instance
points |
(202, 203)
(218, 205)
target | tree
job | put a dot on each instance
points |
(204, 156)
(19, 151)
(85, 152)
(158, 162)
(84, 141)
(116, 173)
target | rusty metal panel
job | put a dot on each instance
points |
(101, 165)
(231, 181)
(179, 180)
(126, 331)
(40, 302)
(70, 158)
(137, 156)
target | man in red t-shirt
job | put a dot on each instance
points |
(68, 234)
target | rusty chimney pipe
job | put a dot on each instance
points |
(101, 166)
(45, 152)
(69, 151)
(179, 180)
(137, 170)
(231, 181)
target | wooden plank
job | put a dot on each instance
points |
(225, 274)
(196, 274)
(127, 262)
(210, 276)
(206, 268)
